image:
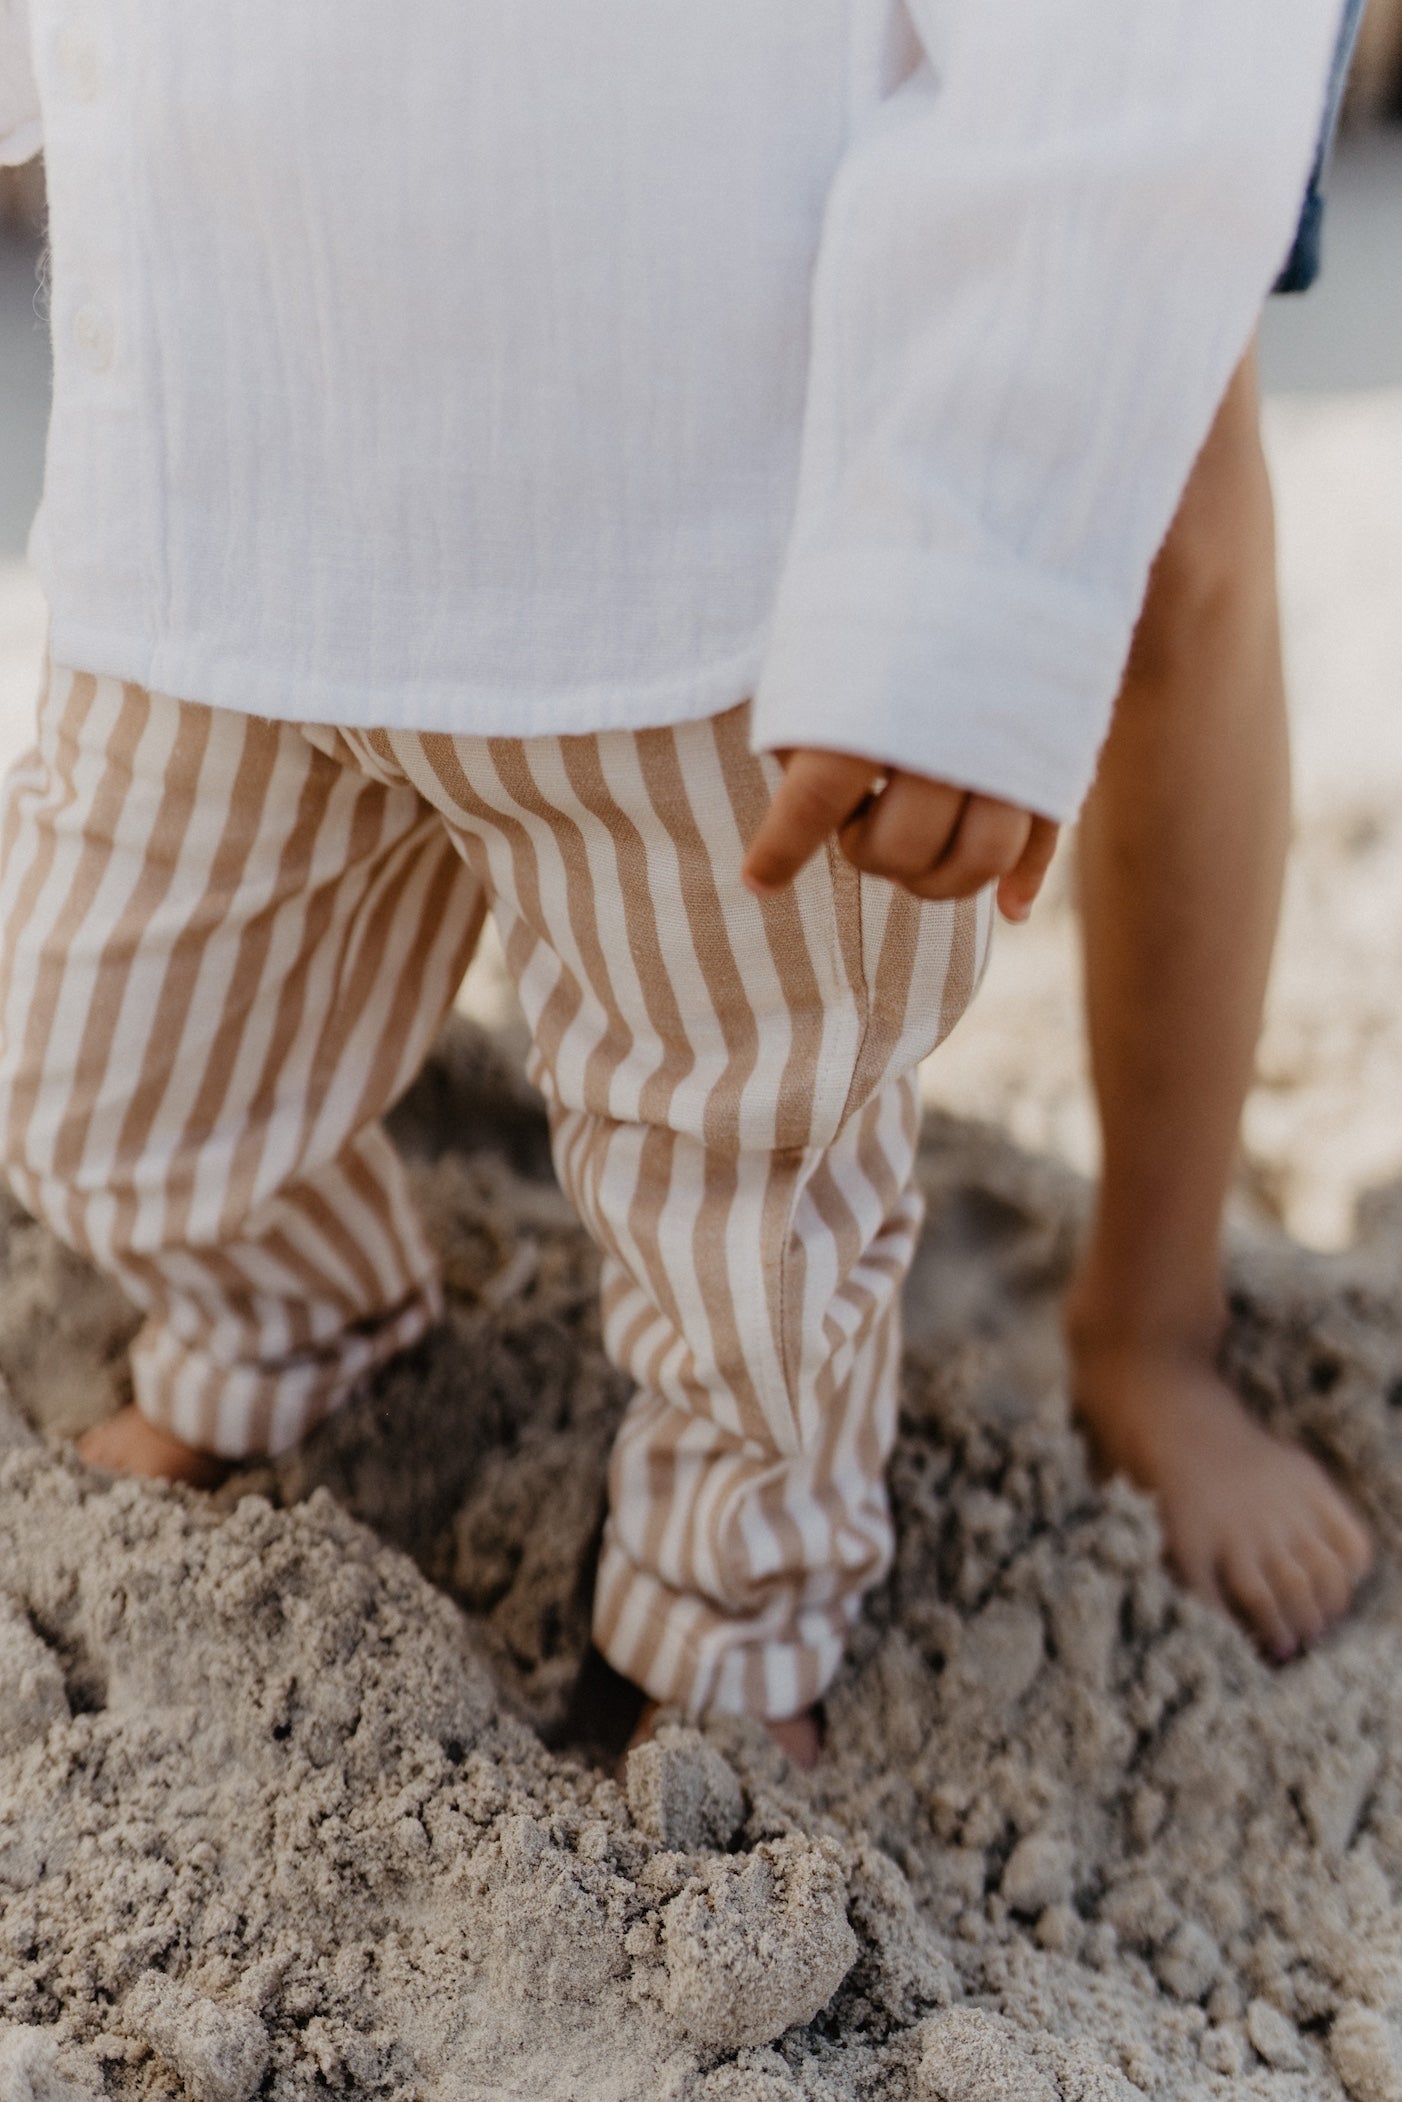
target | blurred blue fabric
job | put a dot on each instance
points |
(1303, 265)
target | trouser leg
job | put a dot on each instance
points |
(224, 950)
(748, 1511)
(734, 1110)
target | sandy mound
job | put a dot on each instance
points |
(279, 1816)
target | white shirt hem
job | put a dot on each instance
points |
(458, 707)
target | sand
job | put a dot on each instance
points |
(291, 1795)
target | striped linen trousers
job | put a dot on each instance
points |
(228, 945)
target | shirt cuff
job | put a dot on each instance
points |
(1002, 682)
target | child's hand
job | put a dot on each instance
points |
(933, 840)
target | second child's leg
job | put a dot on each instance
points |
(1182, 855)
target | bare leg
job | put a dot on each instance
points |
(1182, 859)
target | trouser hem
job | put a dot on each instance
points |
(684, 1652)
(260, 1408)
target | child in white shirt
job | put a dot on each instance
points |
(482, 437)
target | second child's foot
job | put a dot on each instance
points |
(1252, 1523)
(127, 1444)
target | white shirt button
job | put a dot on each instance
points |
(94, 337)
(79, 63)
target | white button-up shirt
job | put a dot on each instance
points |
(521, 366)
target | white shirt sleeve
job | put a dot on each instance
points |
(1038, 272)
(20, 136)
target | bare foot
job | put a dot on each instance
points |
(799, 1737)
(127, 1444)
(1251, 1523)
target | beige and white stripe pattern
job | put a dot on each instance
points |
(228, 945)
(223, 954)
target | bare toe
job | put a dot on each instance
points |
(1292, 1583)
(1333, 1584)
(1348, 1535)
(1251, 1592)
(1196, 1570)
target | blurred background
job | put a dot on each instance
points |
(1323, 1152)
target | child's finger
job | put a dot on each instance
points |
(906, 830)
(817, 795)
(1018, 890)
(988, 844)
